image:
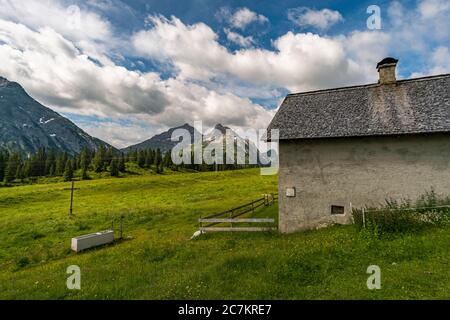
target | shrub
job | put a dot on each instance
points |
(406, 216)
(385, 220)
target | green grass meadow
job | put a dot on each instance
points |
(159, 261)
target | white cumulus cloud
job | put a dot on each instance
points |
(239, 39)
(74, 70)
(240, 18)
(430, 9)
(299, 61)
(319, 19)
(58, 74)
(88, 30)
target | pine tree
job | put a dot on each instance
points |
(84, 174)
(167, 160)
(109, 154)
(68, 172)
(49, 163)
(98, 160)
(2, 165)
(27, 169)
(158, 157)
(84, 164)
(74, 165)
(114, 168)
(61, 164)
(51, 171)
(141, 158)
(132, 156)
(152, 156)
(122, 166)
(19, 173)
(11, 167)
(148, 159)
(40, 159)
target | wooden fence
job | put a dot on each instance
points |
(209, 223)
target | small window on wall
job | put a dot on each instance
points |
(337, 210)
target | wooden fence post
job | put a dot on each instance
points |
(71, 198)
(231, 217)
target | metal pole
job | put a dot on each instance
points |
(364, 217)
(121, 227)
(71, 198)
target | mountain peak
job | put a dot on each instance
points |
(3, 81)
(6, 83)
(185, 126)
(162, 141)
(28, 126)
(221, 128)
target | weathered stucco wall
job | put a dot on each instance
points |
(357, 172)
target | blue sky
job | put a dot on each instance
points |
(125, 70)
(191, 12)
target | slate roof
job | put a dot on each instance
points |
(413, 106)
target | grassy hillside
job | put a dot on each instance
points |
(160, 262)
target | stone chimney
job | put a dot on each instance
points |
(386, 69)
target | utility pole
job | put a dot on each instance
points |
(71, 197)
